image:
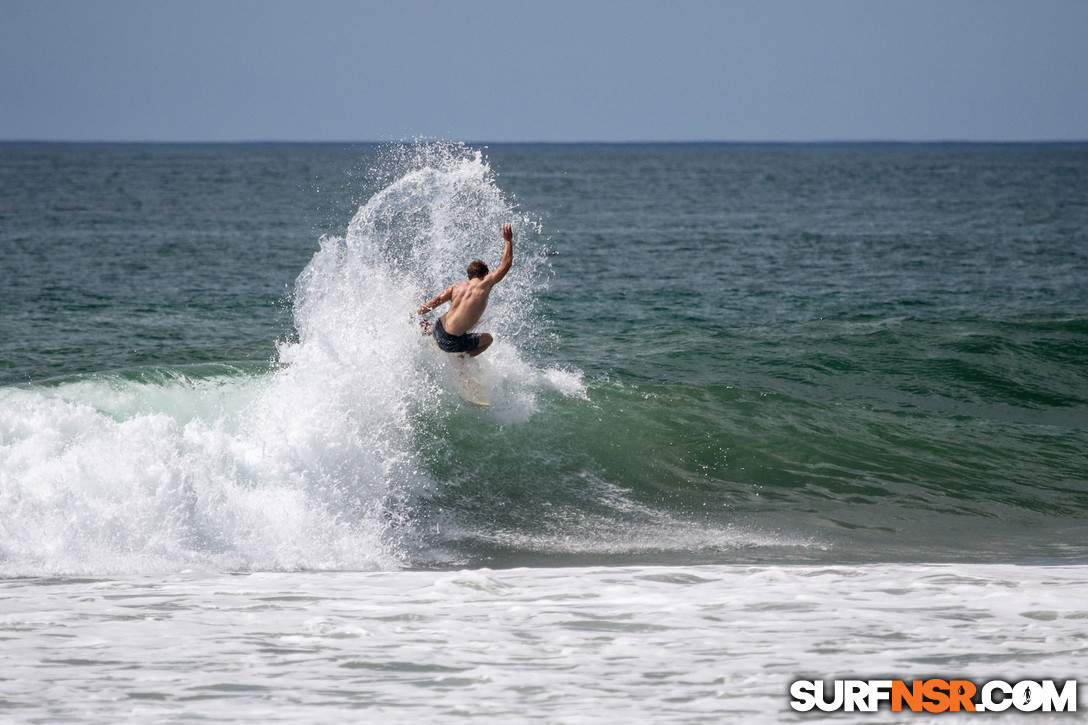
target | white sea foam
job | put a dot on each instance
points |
(613, 644)
(311, 465)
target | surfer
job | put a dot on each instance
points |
(468, 300)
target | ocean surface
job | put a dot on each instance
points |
(759, 413)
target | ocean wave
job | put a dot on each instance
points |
(309, 463)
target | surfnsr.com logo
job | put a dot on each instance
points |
(934, 695)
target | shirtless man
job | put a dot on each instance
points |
(468, 300)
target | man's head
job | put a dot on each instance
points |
(476, 269)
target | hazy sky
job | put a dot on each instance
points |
(543, 70)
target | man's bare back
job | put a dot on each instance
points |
(468, 300)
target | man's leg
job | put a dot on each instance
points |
(485, 342)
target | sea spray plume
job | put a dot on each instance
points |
(411, 239)
(441, 208)
(358, 383)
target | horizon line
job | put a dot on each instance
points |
(422, 140)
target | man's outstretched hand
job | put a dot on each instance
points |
(508, 232)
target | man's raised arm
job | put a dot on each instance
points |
(507, 257)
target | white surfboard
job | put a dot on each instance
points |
(469, 385)
(464, 374)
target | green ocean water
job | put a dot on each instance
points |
(710, 354)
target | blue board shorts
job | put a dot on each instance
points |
(454, 343)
